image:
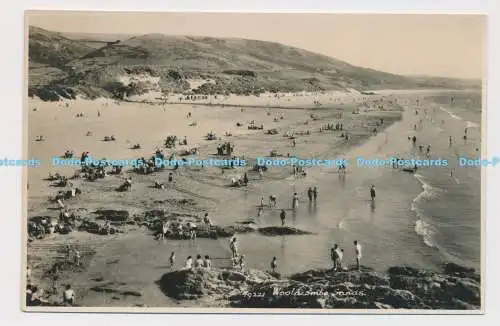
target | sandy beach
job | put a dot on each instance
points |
(208, 189)
(132, 260)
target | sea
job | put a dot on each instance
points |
(421, 219)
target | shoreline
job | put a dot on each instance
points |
(215, 180)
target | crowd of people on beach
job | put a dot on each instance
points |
(188, 230)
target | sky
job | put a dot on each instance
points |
(417, 44)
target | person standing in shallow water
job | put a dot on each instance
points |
(283, 217)
(372, 192)
(172, 259)
(295, 201)
(310, 194)
(357, 248)
(315, 193)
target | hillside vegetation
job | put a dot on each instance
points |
(66, 67)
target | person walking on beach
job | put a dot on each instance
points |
(261, 201)
(295, 201)
(172, 259)
(315, 193)
(372, 192)
(428, 150)
(283, 217)
(357, 248)
(274, 265)
(310, 194)
(451, 141)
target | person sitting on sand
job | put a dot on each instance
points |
(69, 296)
(274, 265)
(357, 248)
(171, 260)
(107, 227)
(189, 263)
(128, 182)
(198, 262)
(159, 185)
(207, 263)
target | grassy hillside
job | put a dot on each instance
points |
(62, 65)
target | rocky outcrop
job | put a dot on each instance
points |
(196, 283)
(282, 230)
(456, 288)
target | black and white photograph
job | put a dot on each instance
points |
(235, 162)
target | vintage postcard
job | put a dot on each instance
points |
(230, 162)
